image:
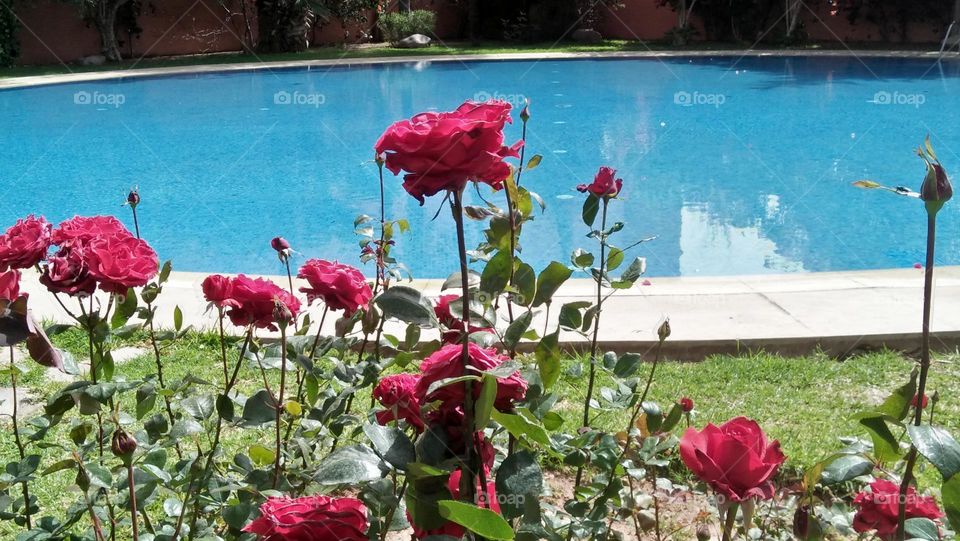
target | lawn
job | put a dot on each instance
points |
(805, 402)
(378, 51)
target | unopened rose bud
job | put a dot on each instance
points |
(664, 331)
(282, 247)
(281, 312)
(686, 404)
(703, 533)
(935, 397)
(133, 198)
(381, 159)
(525, 112)
(801, 522)
(123, 444)
(936, 186)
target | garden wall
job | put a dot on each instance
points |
(54, 32)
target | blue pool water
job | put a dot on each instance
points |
(739, 166)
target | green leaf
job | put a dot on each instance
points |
(65, 464)
(633, 273)
(614, 259)
(868, 184)
(454, 280)
(672, 419)
(225, 408)
(392, 444)
(408, 305)
(921, 528)
(124, 310)
(534, 161)
(627, 365)
(571, 316)
(842, 468)
(515, 331)
(261, 455)
(549, 281)
(937, 446)
(172, 507)
(185, 427)
(950, 494)
(350, 466)
(520, 427)
(99, 476)
(525, 283)
(518, 479)
(496, 274)
(590, 209)
(177, 318)
(482, 522)
(654, 416)
(581, 258)
(885, 445)
(548, 359)
(199, 406)
(259, 408)
(897, 405)
(165, 271)
(484, 405)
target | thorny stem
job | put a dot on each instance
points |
(283, 382)
(924, 370)
(729, 522)
(159, 363)
(467, 478)
(596, 333)
(286, 261)
(16, 437)
(133, 501)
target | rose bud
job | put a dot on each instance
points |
(133, 198)
(703, 533)
(525, 112)
(686, 404)
(801, 522)
(664, 331)
(281, 313)
(123, 444)
(936, 186)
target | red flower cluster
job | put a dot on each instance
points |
(25, 244)
(443, 151)
(10, 285)
(454, 324)
(879, 509)
(446, 363)
(311, 518)
(249, 301)
(97, 251)
(735, 459)
(605, 184)
(398, 394)
(341, 287)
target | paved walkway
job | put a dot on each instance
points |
(790, 314)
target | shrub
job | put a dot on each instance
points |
(396, 26)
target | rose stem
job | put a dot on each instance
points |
(133, 501)
(283, 382)
(16, 437)
(136, 224)
(596, 333)
(729, 523)
(924, 369)
(302, 380)
(467, 478)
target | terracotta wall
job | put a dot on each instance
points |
(54, 32)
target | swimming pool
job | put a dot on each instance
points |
(739, 166)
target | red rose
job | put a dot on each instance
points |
(217, 290)
(604, 184)
(442, 310)
(66, 272)
(84, 229)
(453, 529)
(879, 509)
(254, 301)
(443, 151)
(120, 262)
(923, 403)
(341, 287)
(10, 285)
(446, 363)
(25, 244)
(686, 404)
(735, 459)
(397, 393)
(312, 518)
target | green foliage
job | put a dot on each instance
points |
(9, 44)
(397, 25)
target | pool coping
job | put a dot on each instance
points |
(280, 65)
(794, 314)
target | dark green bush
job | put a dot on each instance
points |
(396, 26)
(9, 46)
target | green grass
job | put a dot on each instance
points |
(451, 48)
(805, 402)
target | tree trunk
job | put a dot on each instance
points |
(106, 22)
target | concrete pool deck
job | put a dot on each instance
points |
(790, 314)
(326, 64)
